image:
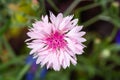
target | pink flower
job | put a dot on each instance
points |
(56, 42)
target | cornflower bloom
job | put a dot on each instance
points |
(55, 41)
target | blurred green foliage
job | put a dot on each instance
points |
(101, 61)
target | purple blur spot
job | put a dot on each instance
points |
(117, 39)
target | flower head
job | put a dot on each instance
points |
(56, 41)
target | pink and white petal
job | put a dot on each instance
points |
(72, 59)
(67, 58)
(43, 52)
(74, 62)
(35, 48)
(52, 18)
(42, 27)
(45, 19)
(64, 59)
(49, 65)
(69, 52)
(58, 20)
(64, 65)
(37, 25)
(78, 34)
(35, 35)
(34, 45)
(60, 16)
(32, 35)
(72, 46)
(40, 59)
(38, 41)
(42, 55)
(47, 28)
(28, 40)
(61, 57)
(65, 22)
(74, 30)
(80, 27)
(76, 39)
(56, 65)
(74, 22)
(82, 33)
(46, 60)
(82, 39)
(79, 48)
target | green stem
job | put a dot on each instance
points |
(72, 6)
(4, 27)
(23, 71)
(91, 21)
(13, 61)
(53, 5)
(88, 7)
(41, 7)
(111, 37)
(0, 46)
(8, 47)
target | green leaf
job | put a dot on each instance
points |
(23, 71)
(11, 62)
(72, 6)
(53, 5)
(5, 27)
(81, 9)
(0, 46)
(8, 47)
(114, 47)
(91, 21)
(41, 7)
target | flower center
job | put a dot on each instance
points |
(56, 41)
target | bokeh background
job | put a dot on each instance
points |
(101, 20)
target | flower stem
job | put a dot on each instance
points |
(0, 46)
(41, 7)
(84, 8)
(53, 5)
(11, 62)
(8, 47)
(92, 20)
(72, 6)
(23, 71)
(112, 34)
